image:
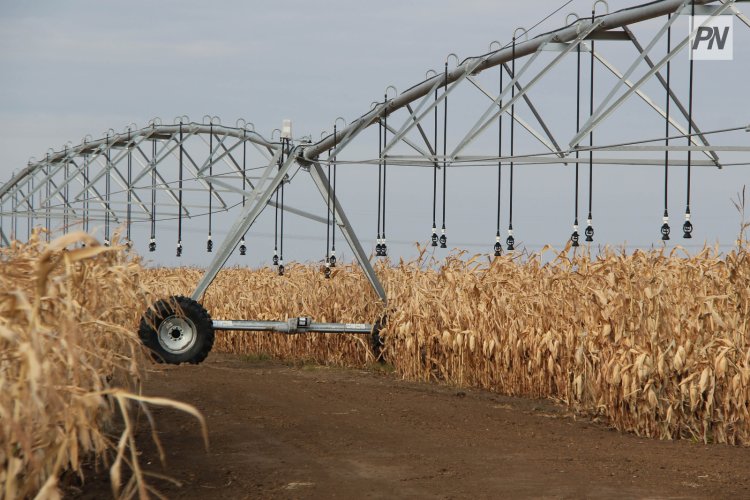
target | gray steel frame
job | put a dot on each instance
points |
(259, 195)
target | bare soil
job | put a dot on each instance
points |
(282, 431)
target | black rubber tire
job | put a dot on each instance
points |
(187, 310)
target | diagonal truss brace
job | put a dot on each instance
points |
(604, 111)
(496, 110)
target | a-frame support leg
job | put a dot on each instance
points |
(321, 181)
(256, 202)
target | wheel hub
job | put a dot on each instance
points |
(177, 334)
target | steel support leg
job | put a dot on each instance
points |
(342, 221)
(255, 205)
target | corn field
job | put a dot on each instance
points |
(70, 360)
(656, 343)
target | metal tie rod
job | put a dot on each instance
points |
(294, 325)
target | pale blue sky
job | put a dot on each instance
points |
(80, 67)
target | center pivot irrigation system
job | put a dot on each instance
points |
(185, 170)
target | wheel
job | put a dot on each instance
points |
(177, 330)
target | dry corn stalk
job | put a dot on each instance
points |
(655, 341)
(69, 359)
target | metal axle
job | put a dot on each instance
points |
(294, 325)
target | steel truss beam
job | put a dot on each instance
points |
(478, 64)
(604, 110)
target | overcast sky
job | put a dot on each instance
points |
(80, 67)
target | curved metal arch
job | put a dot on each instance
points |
(69, 185)
(125, 139)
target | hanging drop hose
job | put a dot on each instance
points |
(434, 237)
(384, 246)
(665, 229)
(210, 243)
(152, 241)
(47, 224)
(687, 226)
(589, 220)
(243, 247)
(281, 229)
(332, 260)
(276, 218)
(107, 192)
(86, 206)
(575, 237)
(443, 237)
(179, 199)
(327, 269)
(498, 246)
(66, 194)
(130, 192)
(510, 240)
(378, 245)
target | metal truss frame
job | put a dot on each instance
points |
(417, 103)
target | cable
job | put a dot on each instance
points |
(384, 246)
(179, 201)
(378, 244)
(498, 247)
(575, 237)
(332, 260)
(687, 226)
(243, 247)
(130, 192)
(281, 230)
(665, 229)
(86, 206)
(210, 243)
(443, 237)
(589, 220)
(328, 221)
(66, 193)
(434, 237)
(510, 240)
(107, 189)
(152, 241)
(276, 223)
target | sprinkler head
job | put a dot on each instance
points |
(498, 249)
(152, 245)
(275, 258)
(106, 242)
(332, 258)
(281, 269)
(327, 271)
(384, 249)
(179, 249)
(665, 230)
(210, 244)
(378, 249)
(589, 232)
(443, 238)
(687, 230)
(511, 242)
(434, 238)
(243, 248)
(574, 238)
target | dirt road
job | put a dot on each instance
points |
(280, 431)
